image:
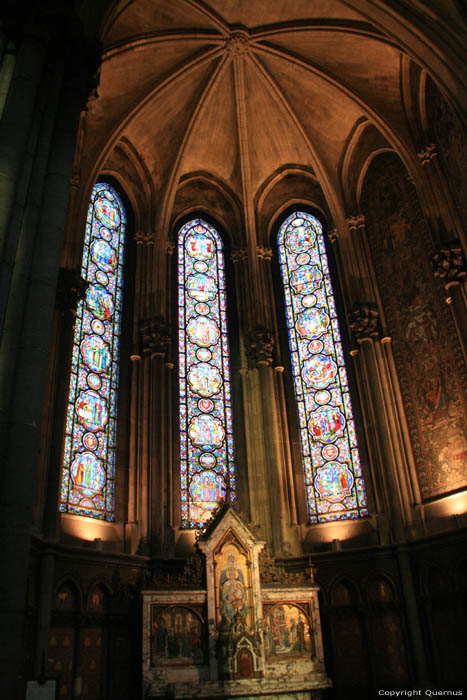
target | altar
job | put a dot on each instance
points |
(250, 631)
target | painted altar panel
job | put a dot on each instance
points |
(428, 357)
(288, 631)
(174, 636)
(233, 584)
(292, 631)
(178, 635)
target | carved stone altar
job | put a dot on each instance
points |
(251, 632)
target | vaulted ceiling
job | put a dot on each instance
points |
(239, 89)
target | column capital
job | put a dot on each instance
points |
(264, 253)
(356, 221)
(75, 180)
(238, 254)
(364, 321)
(155, 335)
(427, 154)
(449, 264)
(169, 247)
(144, 238)
(71, 289)
(333, 235)
(260, 345)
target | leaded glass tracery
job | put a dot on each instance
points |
(333, 476)
(88, 473)
(206, 441)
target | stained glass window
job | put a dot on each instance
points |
(89, 457)
(333, 475)
(206, 441)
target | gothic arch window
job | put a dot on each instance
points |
(206, 440)
(88, 471)
(333, 475)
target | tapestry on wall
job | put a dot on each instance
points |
(426, 348)
(449, 138)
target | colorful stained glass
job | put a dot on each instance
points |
(206, 441)
(88, 462)
(204, 379)
(333, 478)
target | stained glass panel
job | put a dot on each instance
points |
(206, 441)
(89, 456)
(333, 478)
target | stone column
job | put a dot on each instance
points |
(155, 341)
(19, 250)
(132, 526)
(272, 482)
(265, 301)
(239, 258)
(364, 323)
(44, 609)
(17, 118)
(366, 284)
(25, 410)
(450, 266)
(290, 479)
(384, 413)
(438, 202)
(7, 67)
(71, 289)
(132, 531)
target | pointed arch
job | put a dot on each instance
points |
(333, 475)
(88, 468)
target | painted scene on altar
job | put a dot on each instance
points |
(287, 632)
(177, 636)
(233, 585)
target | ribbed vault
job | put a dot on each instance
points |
(237, 90)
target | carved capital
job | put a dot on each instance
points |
(426, 155)
(143, 238)
(170, 247)
(260, 345)
(71, 289)
(264, 253)
(75, 180)
(154, 335)
(356, 222)
(449, 264)
(333, 235)
(238, 255)
(364, 321)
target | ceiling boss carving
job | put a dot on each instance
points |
(237, 43)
